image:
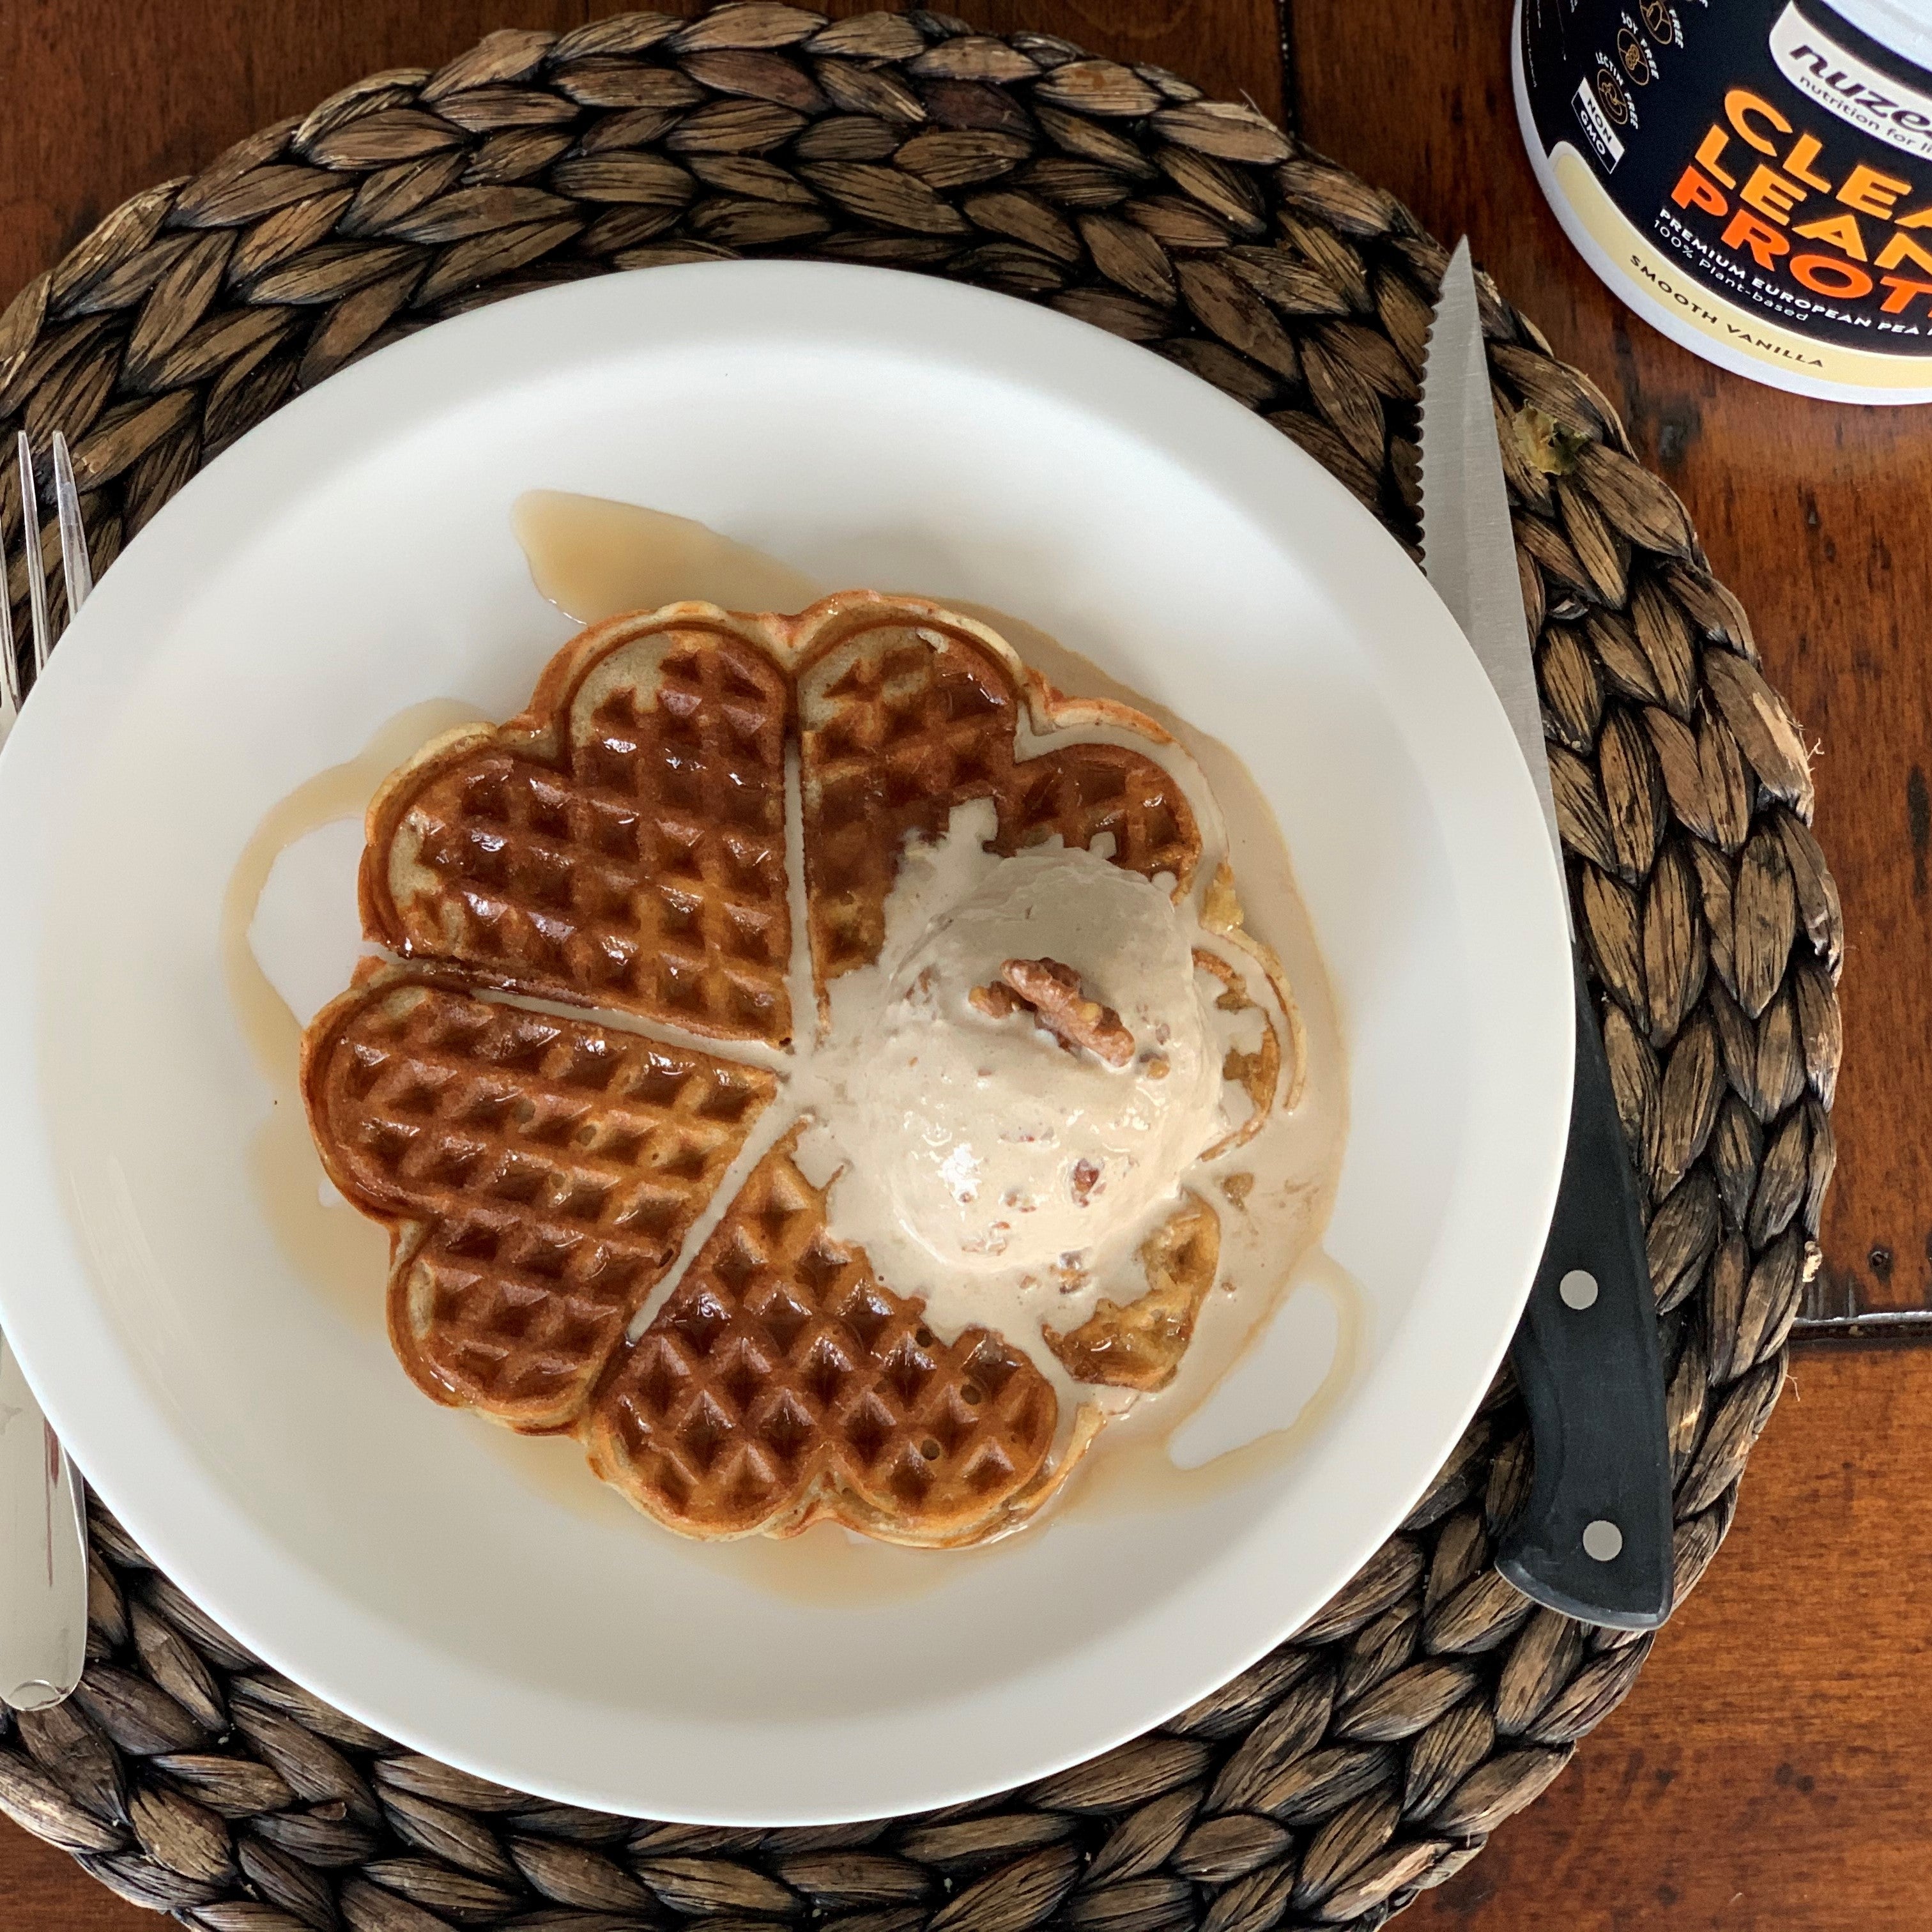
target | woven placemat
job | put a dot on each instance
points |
(1371, 1756)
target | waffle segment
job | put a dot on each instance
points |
(620, 844)
(784, 1383)
(1140, 1345)
(904, 714)
(537, 1176)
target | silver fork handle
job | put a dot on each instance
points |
(43, 1574)
(42, 1536)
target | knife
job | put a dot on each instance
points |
(1593, 1538)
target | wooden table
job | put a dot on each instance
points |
(1769, 1767)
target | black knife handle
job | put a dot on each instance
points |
(1593, 1539)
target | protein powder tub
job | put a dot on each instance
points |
(1753, 177)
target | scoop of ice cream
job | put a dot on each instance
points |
(1020, 1126)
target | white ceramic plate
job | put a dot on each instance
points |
(351, 558)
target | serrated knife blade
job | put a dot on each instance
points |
(1468, 547)
(1593, 1539)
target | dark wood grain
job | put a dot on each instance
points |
(1767, 1769)
(43, 1890)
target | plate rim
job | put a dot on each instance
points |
(66, 1347)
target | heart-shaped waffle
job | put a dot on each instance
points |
(537, 1176)
(621, 844)
(783, 1382)
(904, 715)
(597, 1222)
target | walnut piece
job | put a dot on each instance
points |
(1059, 1003)
(995, 1001)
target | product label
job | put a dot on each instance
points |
(1775, 164)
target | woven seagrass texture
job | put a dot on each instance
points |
(1371, 1756)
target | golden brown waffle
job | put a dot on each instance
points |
(783, 1383)
(905, 712)
(621, 844)
(538, 1176)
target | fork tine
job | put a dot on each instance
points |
(30, 542)
(76, 565)
(9, 663)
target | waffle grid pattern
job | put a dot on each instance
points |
(781, 1359)
(548, 1169)
(898, 727)
(647, 875)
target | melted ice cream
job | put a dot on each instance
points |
(1007, 1148)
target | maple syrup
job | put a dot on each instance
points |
(328, 1245)
(594, 559)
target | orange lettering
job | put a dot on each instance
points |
(1839, 231)
(1693, 191)
(1765, 245)
(1740, 106)
(1919, 217)
(1797, 163)
(1903, 248)
(1903, 290)
(1871, 193)
(1710, 152)
(1772, 194)
(1826, 275)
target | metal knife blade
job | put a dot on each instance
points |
(42, 1553)
(1594, 1539)
(1469, 548)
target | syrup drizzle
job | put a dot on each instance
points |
(593, 559)
(336, 1250)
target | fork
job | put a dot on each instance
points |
(43, 1538)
